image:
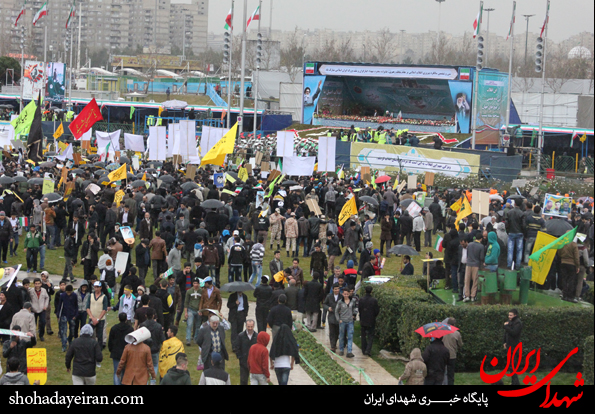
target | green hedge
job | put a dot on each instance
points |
(588, 361)
(588, 297)
(404, 308)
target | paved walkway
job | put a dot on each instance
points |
(377, 374)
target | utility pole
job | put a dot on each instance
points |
(488, 36)
(70, 71)
(527, 17)
(255, 78)
(512, 22)
(439, 16)
(271, 22)
(540, 140)
(243, 71)
(22, 63)
(78, 54)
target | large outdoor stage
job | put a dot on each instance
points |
(429, 99)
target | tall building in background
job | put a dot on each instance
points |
(116, 25)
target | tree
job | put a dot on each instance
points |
(9, 63)
(333, 51)
(293, 55)
(383, 46)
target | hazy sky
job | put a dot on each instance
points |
(567, 17)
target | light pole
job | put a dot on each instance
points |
(243, 71)
(439, 16)
(402, 54)
(488, 36)
(22, 63)
(527, 17)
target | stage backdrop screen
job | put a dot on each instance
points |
(55, 85)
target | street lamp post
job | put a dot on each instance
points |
(488, 36)
(527, 17)
(243, 71)
(439, 16)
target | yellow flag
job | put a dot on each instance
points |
(541, 268)
(62, 146)
(144, 176)
(348, 210)
(160, 110)
(230, 178)
(59, 131)
(243, 174)
(118, 197)
(48, 186)
(456, 206)
(216, 155)
(119, 174)
(315, 167)
(464, 211)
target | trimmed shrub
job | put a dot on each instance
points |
(588, 297)
(588, 361)
(555, 330)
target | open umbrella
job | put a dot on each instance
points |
(99, 173)
(405, 203)
(175, 104)
(53, 197)
(402, 249)
(77, 171)
(369, 200)
(19, 178)
(289, 182)
(167, 178)
(47, 164)
(558, 227)
(211, 204)
(382, 179)
(496, 197)
(155, 164)
(518, 199)
(125, 160)
(436, 330)
(138, 183)
(189, 186)
(99, 164)
(130, 176)
(4, 180)
(237, 287)
(50, 154)
(150, 170)
(35, 181)
(113, 166)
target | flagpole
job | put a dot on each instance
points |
(70, 79)
(230, 63)
(243, 70)
(475, 86)
(255, 79)
(78, 58)
(540, 134)
(510, 65)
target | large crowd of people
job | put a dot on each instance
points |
(192, 238)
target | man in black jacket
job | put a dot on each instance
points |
(86, 353)
(406, 228)
(368, 311)
(238, 310)
(436, 211)
(143, 258)
(279, 315)
(157, 336)
(436, 357)
(329, 305)
(512, 336)
(263, 294)
(5, 235)
(70, 253)
(245, 341)
(116, 343)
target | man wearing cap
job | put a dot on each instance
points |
(276, 221)
(97, 304)
(210, 298)
(5, 235)
(215, 375)
(211, 340)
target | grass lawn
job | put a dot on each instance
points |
(396, 368)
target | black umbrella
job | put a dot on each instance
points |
(289, 182)
(405, 203)
(35, 181)
(53, 197)
(237, 287)
(518, 199)
(233, 174)
(369, 200)
(151, 170)
(49, 154)
(130, 176)
(138, 183)
(47, 164)
(402, 249)
(19, 178)
(86, 183)
(78, 171)
(4, 106)
(155, 164)
(189, 186)
(211, 204)
(167, 179)
(99, 173)
(125, 160)
(6, 180)
(557, 227)
(100, 164)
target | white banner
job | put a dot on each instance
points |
(388, 72)
(157, 150)
(103, 138)
(173, 136)
(327, 148)
(301, 166)
(188, 139)
(414, 209)
(87, 135)
(285, 143)
(6, 134)
(209, 137)
(134, 142)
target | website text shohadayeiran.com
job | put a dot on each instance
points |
(69, 400)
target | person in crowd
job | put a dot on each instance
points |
(85, 354)
(415, 370)
(179, 374)
(513, 328)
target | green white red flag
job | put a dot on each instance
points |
(43, 11)
(512, 21)
(546, 20)
(255, 16)
(71, 14)
(438, 245)
(477, 22)
(21, 13)
(228, 20)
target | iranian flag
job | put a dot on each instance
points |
(228, 26)
(309, 68)
(21, 13)
(71, 13)
(546, 20)
(255, 16)
(40, 13)
(438, 245)
(103, 156)
(24, 221)
(477, 22)
(512, 21)
(574, 136)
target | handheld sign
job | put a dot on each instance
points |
(37, 365)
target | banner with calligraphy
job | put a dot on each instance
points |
(37, 365)
(86, 119)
